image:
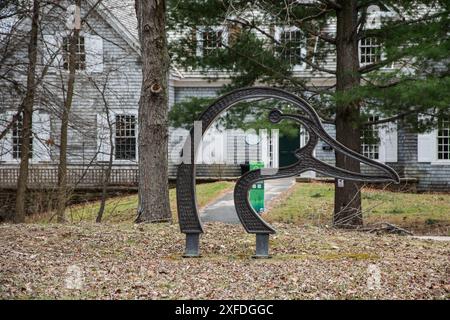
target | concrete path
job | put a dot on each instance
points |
(223, 210)
(435, 238)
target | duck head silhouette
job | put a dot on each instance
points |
(189, 221)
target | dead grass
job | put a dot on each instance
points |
(126, 261)
(312, 203)
(123, 209)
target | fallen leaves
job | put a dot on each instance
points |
(124, 261)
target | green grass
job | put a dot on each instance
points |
(123, 209)
(313, 203)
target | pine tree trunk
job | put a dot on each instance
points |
(153, 113)
(347, 201)
(62, 165)
(27, 115)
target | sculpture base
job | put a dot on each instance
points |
(192, 245)
(262, 246)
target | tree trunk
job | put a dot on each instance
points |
(26, 133)
(107, 178)
(153, 113)
(62, 165)
(347, 201)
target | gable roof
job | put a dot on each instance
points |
(121, 15)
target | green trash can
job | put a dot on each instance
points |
(257, 190)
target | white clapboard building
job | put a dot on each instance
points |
(106, 100)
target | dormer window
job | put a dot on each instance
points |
(80, 53)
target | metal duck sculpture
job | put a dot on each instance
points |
(188, 217)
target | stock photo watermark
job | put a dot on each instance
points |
(74, 278)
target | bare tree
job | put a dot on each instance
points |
(27, 112)
(107, 172)
(153, 113)
(57, 90)
(62, 166)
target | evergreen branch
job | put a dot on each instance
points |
(376, 32)
(277, 42)
(391, 84)
(318, 68)
(317, 34)
(301, 24)
(314, 16)
(374, 66)
(391, 119)
(279, 74)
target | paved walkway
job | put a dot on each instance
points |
(223, 210)
(435, 238)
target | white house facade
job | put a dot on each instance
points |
(106, 106)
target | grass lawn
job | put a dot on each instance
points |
(306, 203)
(313, 203)
(123, 209)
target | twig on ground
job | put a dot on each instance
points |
(387, 228)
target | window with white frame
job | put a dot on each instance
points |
(125, 137)
(369, 51)
(80, 53)
(17, 128)
(443, 140)
(370, 140)
(291, 45)
(210, 40)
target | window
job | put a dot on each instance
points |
(371, 141)
(369, 51)
(17, 139)
(80, 53)
(125, 139)
(443, 139)
(291, 46)
(211, 40)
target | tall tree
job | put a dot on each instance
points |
(347, 198)
(412, 35)
(153, 113)
(27, 113)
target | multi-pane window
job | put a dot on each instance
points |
(370, 140)
(125, 138)
(290, 46)
(369, 51)
(211, 40)
(17, 139)
(443, 139)
(80, 53)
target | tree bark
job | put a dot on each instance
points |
(347, 201)
(153, 113)
(62, 165)
(108, 170)
(27, 115)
